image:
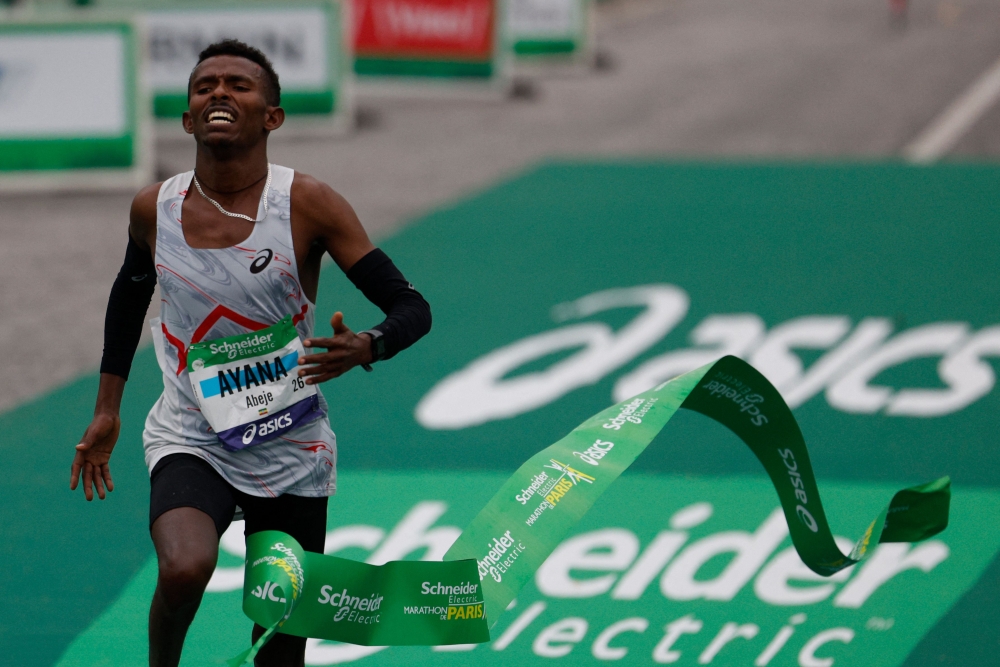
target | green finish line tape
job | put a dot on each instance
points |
(456, 601)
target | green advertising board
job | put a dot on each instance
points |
(863, 292)
(304, 40)
(99, 139)
(547, 30)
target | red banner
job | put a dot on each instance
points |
(461, 29)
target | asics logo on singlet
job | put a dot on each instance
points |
(264, 258)
(267, 428)
(233, 349)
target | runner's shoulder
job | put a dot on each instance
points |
(142, 216)
(318, 202)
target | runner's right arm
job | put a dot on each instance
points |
(127, 306)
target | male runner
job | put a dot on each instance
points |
(236, 247)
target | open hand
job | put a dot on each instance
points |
(92, 456)
(344, 351)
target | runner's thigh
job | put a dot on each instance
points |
(185, 480)
(302, 518)
(305, 520)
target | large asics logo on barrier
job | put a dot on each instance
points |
(854, 354)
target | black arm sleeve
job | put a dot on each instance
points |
(407, 314)
(127, 305)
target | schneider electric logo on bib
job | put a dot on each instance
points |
(852, 355)
(249, 347)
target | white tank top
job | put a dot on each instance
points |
(212, 293)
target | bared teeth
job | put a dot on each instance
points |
(221, 117)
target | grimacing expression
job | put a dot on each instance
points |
(228, 104)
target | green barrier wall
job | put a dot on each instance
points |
(70, 142)
(913, 247)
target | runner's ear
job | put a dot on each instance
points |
(274, 118)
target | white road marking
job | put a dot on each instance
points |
(951, 125)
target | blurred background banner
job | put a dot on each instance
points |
(547, 29)
(304, 41)
(440, 40)
(70, 110)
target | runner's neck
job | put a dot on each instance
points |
(231, 174)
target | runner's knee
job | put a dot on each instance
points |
(184, 576)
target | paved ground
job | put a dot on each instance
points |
(772, 78)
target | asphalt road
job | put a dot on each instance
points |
(829, 79)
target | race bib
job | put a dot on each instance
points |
(247, 385)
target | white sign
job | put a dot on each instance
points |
(293, 38)
(527, 19)
(63, 84)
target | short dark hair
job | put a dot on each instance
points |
(234, 47)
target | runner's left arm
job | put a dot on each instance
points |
(407, 313)
(334, 225)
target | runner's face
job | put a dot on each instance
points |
(228, 105)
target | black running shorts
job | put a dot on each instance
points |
(185, 480)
